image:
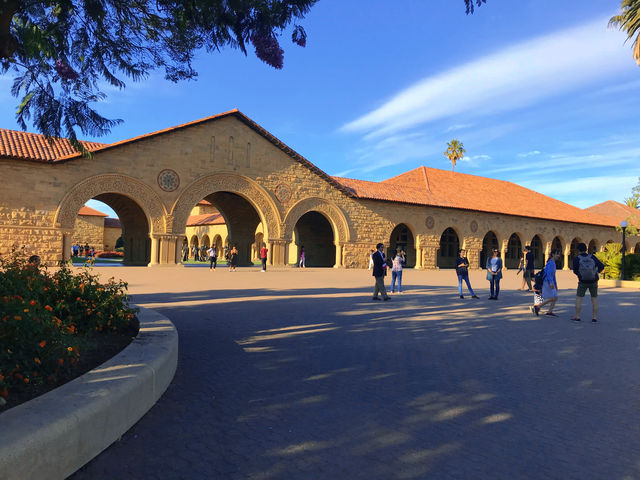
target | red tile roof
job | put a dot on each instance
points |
(617, 210)
(91, 212)
(36, 147)
(205, 219)
(442, 188)
(112, 223)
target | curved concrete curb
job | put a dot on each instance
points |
(619, 283)
(54, 435)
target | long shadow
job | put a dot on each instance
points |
(325, 383)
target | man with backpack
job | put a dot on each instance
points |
(586, 267)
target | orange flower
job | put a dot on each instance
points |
(32, 303)
(26, 380)
(26, 310)
(17, 317)
(69, 349)
(47, 307)
(60, 361)
(43, 343)
(45, 289)
(37, 360)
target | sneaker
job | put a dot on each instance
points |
(386, 298)
(490, 298)
(475, 296)
(536, 310)
(594, 320)
(551, 314)
(375, 298)
(575, 319)
(461, 296)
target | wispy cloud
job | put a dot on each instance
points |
(511, 78)
(473, 158)
(460, 126)
(529, 154)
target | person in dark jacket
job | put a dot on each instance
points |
(379, 271)
(587, 267)
(529, 260)
(494, 273)
(462, 269)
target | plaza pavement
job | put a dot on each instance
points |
(298, 374)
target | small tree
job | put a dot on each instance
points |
(611, 258)
(455, 151)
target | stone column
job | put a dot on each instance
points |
(567, 251)
(66, 247)
(339, 249)
(154, 250)
(419, 259)
(503, 254)
(430, 254)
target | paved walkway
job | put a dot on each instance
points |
(297, 374)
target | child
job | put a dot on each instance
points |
(537, 295)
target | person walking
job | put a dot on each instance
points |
(494, 273)
(185, 252)
(462, 270)
(379, 272)
(302, 258)
(529, 265)
(396, 270)
(196, 253)
(263, 256)
(213, 257)
(587, 267)
(371, 259)
(549, 285)
(233, 259)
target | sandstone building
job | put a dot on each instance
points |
(260, 186)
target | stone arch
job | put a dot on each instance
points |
(448, 248)
(558, 243)
(573, 249)
(489, 242)
(139, 208)
(513, 253)
(402, 236)
(314, 204)
(236, 184)
(117, 184)
(593, 246)
(205, 241)
(537, 247)
(636, 249)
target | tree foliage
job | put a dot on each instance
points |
(629, 21)
(455, 151)
(63, 51)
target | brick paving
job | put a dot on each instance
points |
(297, 374)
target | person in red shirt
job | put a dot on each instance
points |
(263, 256)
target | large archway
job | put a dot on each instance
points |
(448, 251)
(314, 232)
(489, 243)
(137, 206)
(402, 239)
(557, 244)
(538, 252)
(637, 248)
(593, 246)
(573, 250)
(514, 251)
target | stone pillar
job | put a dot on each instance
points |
(277, 249)
(339, 249)
(430, 254)
(66, 247)
(567, 251)
(154, 250)
(503, 254)
(419, 259)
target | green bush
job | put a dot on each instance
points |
(612, 260)
(48, 319)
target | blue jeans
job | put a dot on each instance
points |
(397, 275)
(465, 277)
(494, 284)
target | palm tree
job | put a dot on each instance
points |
(633, 201)
(455, 151)
(629, 21)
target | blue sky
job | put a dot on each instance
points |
(541, 93)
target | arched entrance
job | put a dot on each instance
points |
(313, 232)
(194, 248)
(402, 239)
(205, 241)
(448, 251)
(257, 246)
(514, 251)
(489, 243)
(593, 247)
(637, 248)
(538, 252)
(573, 250)
(556, 244)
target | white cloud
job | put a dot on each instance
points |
(529, 154)
(514, 77)
(460, 126)
(473, 158)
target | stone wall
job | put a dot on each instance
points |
(89, 229)
(111, 236)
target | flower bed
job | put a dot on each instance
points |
(48, 321)
(110, 254)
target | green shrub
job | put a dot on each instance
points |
(612, 260)
(48, 319)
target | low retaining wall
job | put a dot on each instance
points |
(52, 436)
(619, 283)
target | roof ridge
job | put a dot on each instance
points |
(426, 179)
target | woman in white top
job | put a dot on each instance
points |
(396, 270)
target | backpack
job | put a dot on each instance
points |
(538, 279)
(587, 268)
